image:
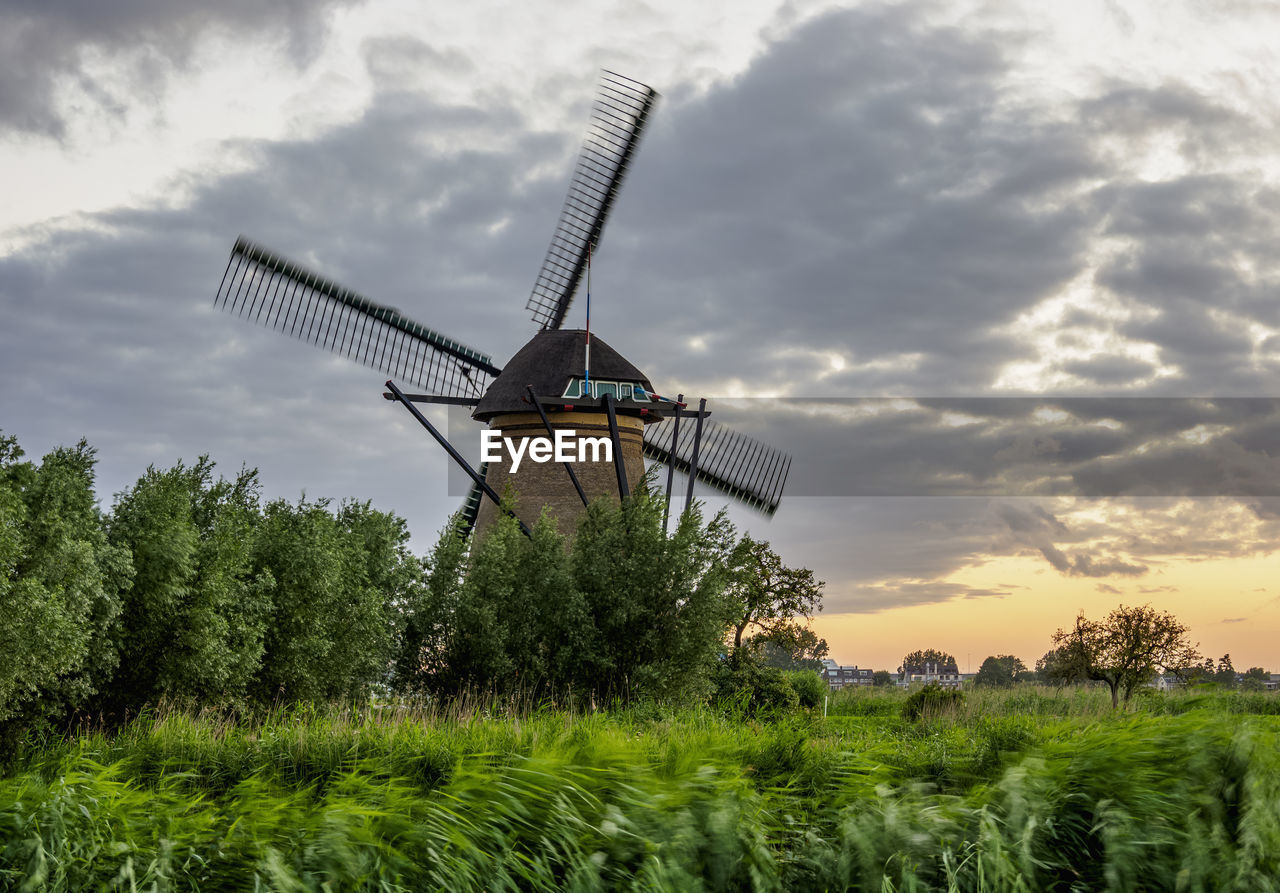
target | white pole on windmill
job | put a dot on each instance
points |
(693, 461)
(586, 369)
(671, 465)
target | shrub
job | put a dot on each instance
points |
(930, 701)
(743, 684)
(808, 686)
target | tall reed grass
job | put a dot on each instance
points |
(1022, 790)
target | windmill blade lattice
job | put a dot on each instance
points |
(471, 505)
(617, 119)
(728, 461)
(282, 295)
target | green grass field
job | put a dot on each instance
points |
(1031, 789)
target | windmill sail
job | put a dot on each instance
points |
(284, 296)
(471, 505)
(733, 463)
(617, 119)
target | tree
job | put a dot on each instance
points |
(765, 593)
(788, 646)
(1255, 679)
(1000, 671)
(1061, 666)
(1127, 649)
(1225, 675)
(928, 660)
(620, 609)
(193, 622)
(60, 584)
(339, 579)
(881, 677)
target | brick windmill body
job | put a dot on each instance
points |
(552, 363)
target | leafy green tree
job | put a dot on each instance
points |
(765, 593)
(1225, 674)
(423, 657)
(658, 603)
(928, 660)
(1063, 665)
(60, 584)
(1255, 679)
(193, 622)
(618, 609)
(338, 579)
(1000, 671)
(1127, 649)
(881, 677)
(788, 646)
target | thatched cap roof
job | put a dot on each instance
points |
(547, 362)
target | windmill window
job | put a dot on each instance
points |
(624, 392)
(574, 389)
(606, 387)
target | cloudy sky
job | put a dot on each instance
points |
(1001, 276)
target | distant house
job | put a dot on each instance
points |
(838, 677)
(930, 672)
(1167, 682)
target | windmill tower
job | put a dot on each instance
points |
(551, 364)
(561, 379)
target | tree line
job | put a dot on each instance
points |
(1129, 648)
(195, 590)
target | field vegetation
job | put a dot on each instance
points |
(1025, 788)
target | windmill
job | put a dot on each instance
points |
(561, 379)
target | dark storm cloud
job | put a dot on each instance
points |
(45, 42)
(866, 187)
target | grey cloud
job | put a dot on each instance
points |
(850, 196)
(1031, 520)
(1199, 244)
(1109, 371)
(1038, 528)
(872, 600)
(1020, 446)
(42, 43)
(1203, 127)
(1085, 565)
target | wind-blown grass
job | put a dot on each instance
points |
(1030, 789)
